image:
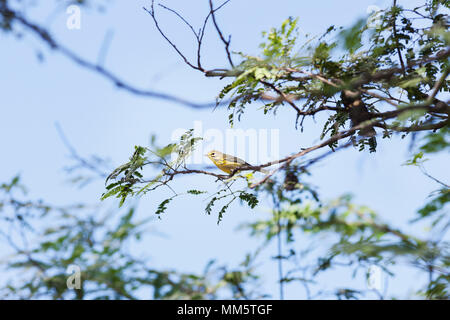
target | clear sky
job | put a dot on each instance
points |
(100, 119)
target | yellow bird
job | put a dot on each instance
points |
(228, 163)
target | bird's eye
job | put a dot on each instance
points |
(212, 153)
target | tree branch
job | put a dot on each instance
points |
(151, 12)
(225, 42)
(52, 43)
(394, 29)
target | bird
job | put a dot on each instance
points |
(358, 112)
(227, 163)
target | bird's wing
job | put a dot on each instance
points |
(233, 159)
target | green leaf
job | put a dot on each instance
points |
(250, 199)
(163, 206)
(196, 192)
(352, 36)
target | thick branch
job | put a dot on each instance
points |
(341, 135)
(47, 38)
(382, 116)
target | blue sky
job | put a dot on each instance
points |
(100, 119)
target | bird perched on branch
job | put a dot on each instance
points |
(228, 163)
(358, 111)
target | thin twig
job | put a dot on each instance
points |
(394, 28)
(225, 42)
(437, 86)
(282, 95)
(422, 168)
(74, 154)
(151, 12)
